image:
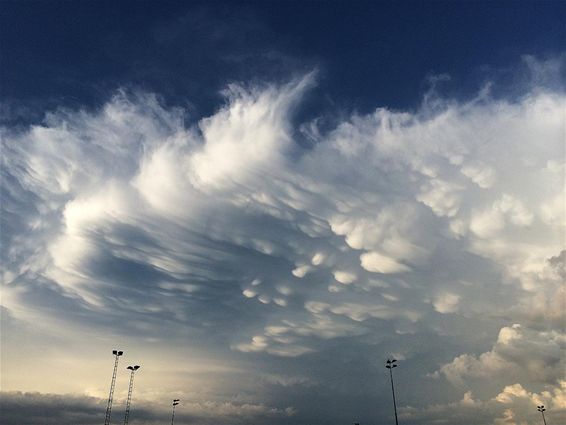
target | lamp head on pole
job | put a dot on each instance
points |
(390, 364)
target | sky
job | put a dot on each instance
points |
(262, 202)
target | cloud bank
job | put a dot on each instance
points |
(392, 232)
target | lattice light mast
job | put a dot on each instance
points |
(117, 354)
(175, 402)
(130, 388)
(390, 364)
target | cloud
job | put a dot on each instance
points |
(446, 303)
(49, 408)
(378, 263)
(69, 409)
(394, 231)
(518, 352)
(513, 405)
(344, 277)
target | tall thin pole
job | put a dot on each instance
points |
(117, 355)
(390, 365)
(393, 392)
(130, 389)
(175, 403)
(541, 409)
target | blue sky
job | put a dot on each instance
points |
(261, 202)
(369, 53)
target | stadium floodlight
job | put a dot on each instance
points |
(391, 364)
(175, 403)
(130, 389)
(541, 409)
(117, 354)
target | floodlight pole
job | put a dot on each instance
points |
(390, 364)
(175, 403)
(541, 409)
(117, 354)
(130, 388)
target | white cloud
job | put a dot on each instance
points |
(507, 209)
(483, 176)
(248, 293)
(344, 277)
(113, 213)
(250, 133)
(379, 263)
(318, 259)
(446, 303)
(441, 196)
(301, 271)
(512, 405)
(518, 352)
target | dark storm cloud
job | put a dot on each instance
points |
(33, 408)
(27, 408)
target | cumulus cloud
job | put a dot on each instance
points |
(518, 352)
(513, 405)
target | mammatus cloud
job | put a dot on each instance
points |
(391, 231)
